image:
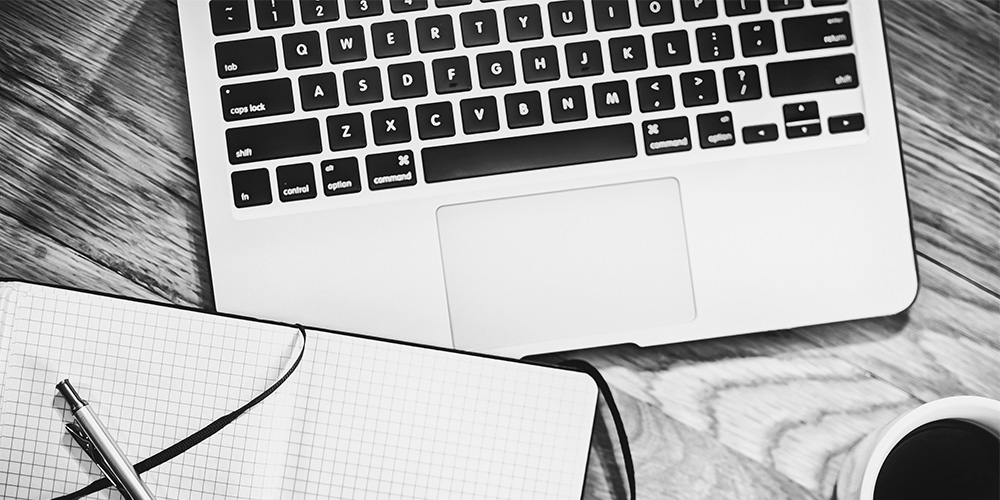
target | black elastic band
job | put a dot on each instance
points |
(196, 438)
(605, 389)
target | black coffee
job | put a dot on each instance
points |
(946, 460)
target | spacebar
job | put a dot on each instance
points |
(531, 152)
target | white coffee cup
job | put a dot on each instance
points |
(861, 468)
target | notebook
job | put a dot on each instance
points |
(360, 418)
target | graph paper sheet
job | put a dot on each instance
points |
(360, 419)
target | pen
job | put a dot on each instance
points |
(95, 440)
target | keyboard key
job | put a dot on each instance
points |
(716, 130)
(407, 80)
(803, 130)
(780, 5)
(256, 99)
(390, 39)
(656, 93)
(714, 43)
(319, 11)
(760, 133)
(667, 135)
(757, 39)
(274, 13)
(363, 86)
(524, 109)
(742, 83)
(246, 57)
(479, 28)
(229, 16)
(612, 99)
(800, 111)
(812, 75)
(824, 3)
(302, 50)
(699, 88)
(318, 91)
(273, 140)
(568, 104)
(452, 75)
(363, 8)
(398, 6)
(817, 32)
(628, 53)
(567, 17)
(435, 33)
(584, 59)
(296, 182)
(480, 115)
(611, 15)
(391, 170)
(340, 176)
(451, 3)
(697, 10)
(251, 188)
(655, 12)
(435, 120)
(846, 123)
(496, 69)
(346, 131)
(741, 7)
(390, 126)
(347, 44)
(523, 22)
(671, 49)
(532, 152)
(540, 64)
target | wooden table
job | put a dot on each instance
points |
(98, 191)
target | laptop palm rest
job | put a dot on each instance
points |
(571, 264)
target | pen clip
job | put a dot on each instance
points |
(83, 439)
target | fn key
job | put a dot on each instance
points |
(251, 188)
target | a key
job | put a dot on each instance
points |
(273, 140)
(523, 22)
(347, 44)
(390, 126)
(229, 16)
(584, 59)
(780, 5)
(757, 39)
(340, 176)
(407, 80)
(666, 135)
(655, 12)
(390, 39)
(846, 123)
(656, 93)
(246, 57)
(531, 152)
(391, 170)
(398, 6)
(496, 69)
(671, 49)
(251, 188)
(540, 64)
(812, 75)
(524, 109)
(274, 13)
(319, 11)
(435, 120)
(346, 131)
(716, 130)
(567, 17)
(568, 104)
(479, 28)
(612, 99)
(741, 7)
(256, 99)
(479, 115)
(627, 53)
(363, 8)
(760, 133)
(452, 75)
(301, 50)
(363, 86)
(697, 10)
(817, 32)
(742, 83)
(699, 88)
(611, 15)
(318, 91)
(435, 33)
(715, 43)
(296, 182)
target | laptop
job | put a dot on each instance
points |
(518, 177)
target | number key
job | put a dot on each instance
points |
(363, 8)
(274, 13)
(398, 6)
(319, 11)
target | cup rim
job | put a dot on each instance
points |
(984, 412)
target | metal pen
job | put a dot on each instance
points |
(93, 437)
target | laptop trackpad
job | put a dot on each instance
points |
(570, 264)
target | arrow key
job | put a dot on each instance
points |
(760, 133)
(806, 129)
(799, 111)
(846, 123)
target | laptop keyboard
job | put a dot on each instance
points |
(410, 92)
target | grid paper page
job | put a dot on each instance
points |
(361, 419)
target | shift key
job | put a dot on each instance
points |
(812, 75)
(273, 140)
